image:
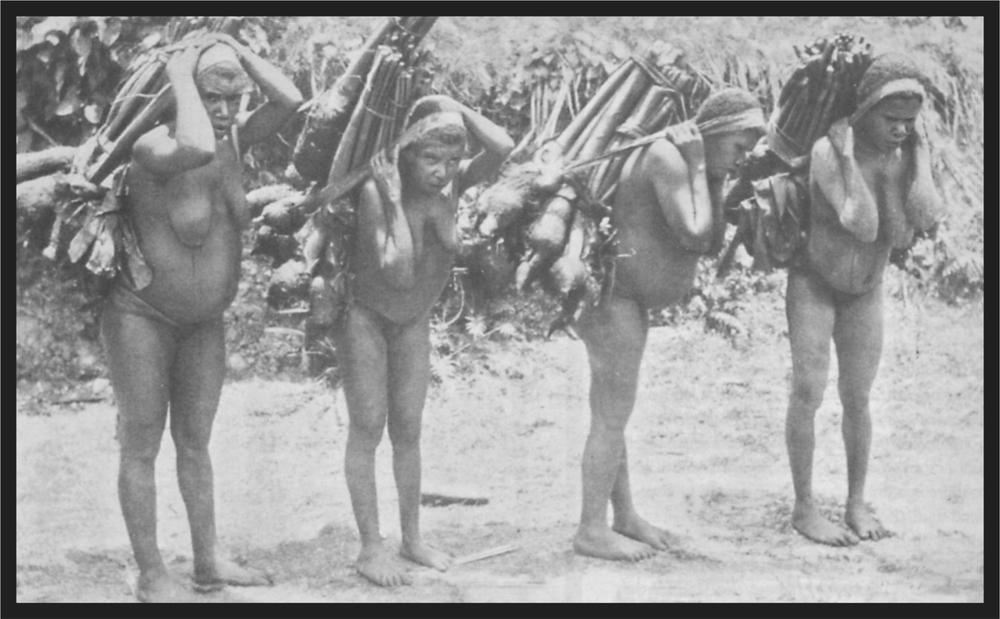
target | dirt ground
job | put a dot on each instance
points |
(708, 461)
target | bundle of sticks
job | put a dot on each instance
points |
(552, 212)
(66, 187)
(820, 91)
(143, 99)
(360, 115)
(551, 107)
(330, 114)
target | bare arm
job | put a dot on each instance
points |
(192, 144)
(826, 163)
(496, 146)
(283, 98)
(388, 238)
(682, 193)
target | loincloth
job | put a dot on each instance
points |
(125, 300)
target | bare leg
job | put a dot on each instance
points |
(409, 373)
(362, 349)
(858, 337)
(810, 311)
(615, 335)
(139, 352)
(627, 520)
(195, 386)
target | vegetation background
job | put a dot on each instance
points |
(706, 437)
(68, 67)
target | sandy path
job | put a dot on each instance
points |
(707, 453)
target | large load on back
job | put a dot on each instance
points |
(307, 233)
(769, 201)
(340, 135)
(551, 213)
(81, 188)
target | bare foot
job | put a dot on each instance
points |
(162, 588)
(227, 572)
(639, 529)
(421, 553)
(378, 564)
(807, 520)
(861, 521)
(603, 543)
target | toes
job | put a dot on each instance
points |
(659, 543)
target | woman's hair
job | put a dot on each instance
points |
(219, 66)
(726, 102)
(889, 68)
(449, 134)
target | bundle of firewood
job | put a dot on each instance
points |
(360, 115)
(383, 71)
(143, 100)
(552, 212)
(820, 90)
(768, 203)
(73, 190)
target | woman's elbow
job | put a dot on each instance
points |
(505, 146)
(696, 238)
(399, 273)
(700, 243)
(293, 99)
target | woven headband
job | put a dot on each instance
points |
(220, 64)
(751, 118)
(905, 85)
(437, 120)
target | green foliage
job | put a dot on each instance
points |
(66, 74)
(494, 64)
(58, 344)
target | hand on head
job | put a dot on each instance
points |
(185, 60)
(687, 139)
(225, 39)
(444, 103)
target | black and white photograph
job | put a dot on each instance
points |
(501, 309)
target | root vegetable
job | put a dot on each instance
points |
(262, 196)
(547, 234)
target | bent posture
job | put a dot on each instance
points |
(667, 212)
(165, 342)
(401, 260)
(870, 190)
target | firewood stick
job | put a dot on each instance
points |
(132, 99)
(486, 554)
(142, 123)
(633, 88)
(596, 104)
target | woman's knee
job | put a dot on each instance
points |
(854, 401)
(139, 441)
(807, 394)
(611, 424)
(367, 429)
(404, 430)
(190, 438)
